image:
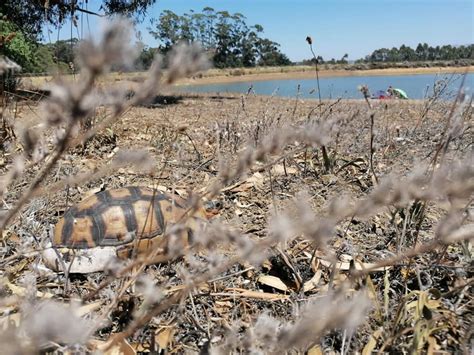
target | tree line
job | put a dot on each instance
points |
(422, 52)
(320, 59)
(229, 40)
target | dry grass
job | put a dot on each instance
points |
(370, 253)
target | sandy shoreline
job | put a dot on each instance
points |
(227, 78)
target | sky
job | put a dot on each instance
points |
(355, 27)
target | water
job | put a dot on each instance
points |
(416, 86)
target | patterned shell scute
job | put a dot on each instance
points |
(114, 217)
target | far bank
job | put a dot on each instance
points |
(218, 76)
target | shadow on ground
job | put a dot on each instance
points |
(166, 100)
(163, 100)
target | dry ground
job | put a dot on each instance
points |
(193, 138)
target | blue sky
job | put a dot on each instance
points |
(356, 27)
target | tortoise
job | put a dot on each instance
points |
(117, 223)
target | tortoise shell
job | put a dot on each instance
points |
(119, 221)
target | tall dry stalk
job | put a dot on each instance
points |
(326, 159)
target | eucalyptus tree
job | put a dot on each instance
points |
(227, 37)
(422, 52)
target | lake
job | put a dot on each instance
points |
(416, 86)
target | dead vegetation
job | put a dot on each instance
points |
(365, 250)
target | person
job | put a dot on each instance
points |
(390, 92)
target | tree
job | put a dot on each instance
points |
(25, 18)
(269, 54)
(407, 53)
(421, 51)
(344, 59)
(31, 15)
(63, 50)
(168, 29)
(210, 17)
(393, 55)
(225, 36)
(250, 46)
(44, 60)
(15, 45)
(146, 57)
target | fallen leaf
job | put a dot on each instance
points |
(90, 164)
(312, 283)
(201, 287)
(239, 292)
(163, 337)
(315, 350)
(358, 265)
(280, 170)
(257, 179)
(344, 266)
(329, 179)
(226, 304)
(141, 348)
(17, 267)
(222, 307)
(272, 281)
(121, 348)
(433, 346)
(372, 343)
(345, 258)
(241, 205)
(113, 152)
(181, 192)
(21, 291)
(241, 187)
(88, 308)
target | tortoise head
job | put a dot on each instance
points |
(213, 208)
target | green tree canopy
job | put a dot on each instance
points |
(21, 22)
(31, 15)
(15, 45)
(227, 37)
(422, 52)
(63, 50)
